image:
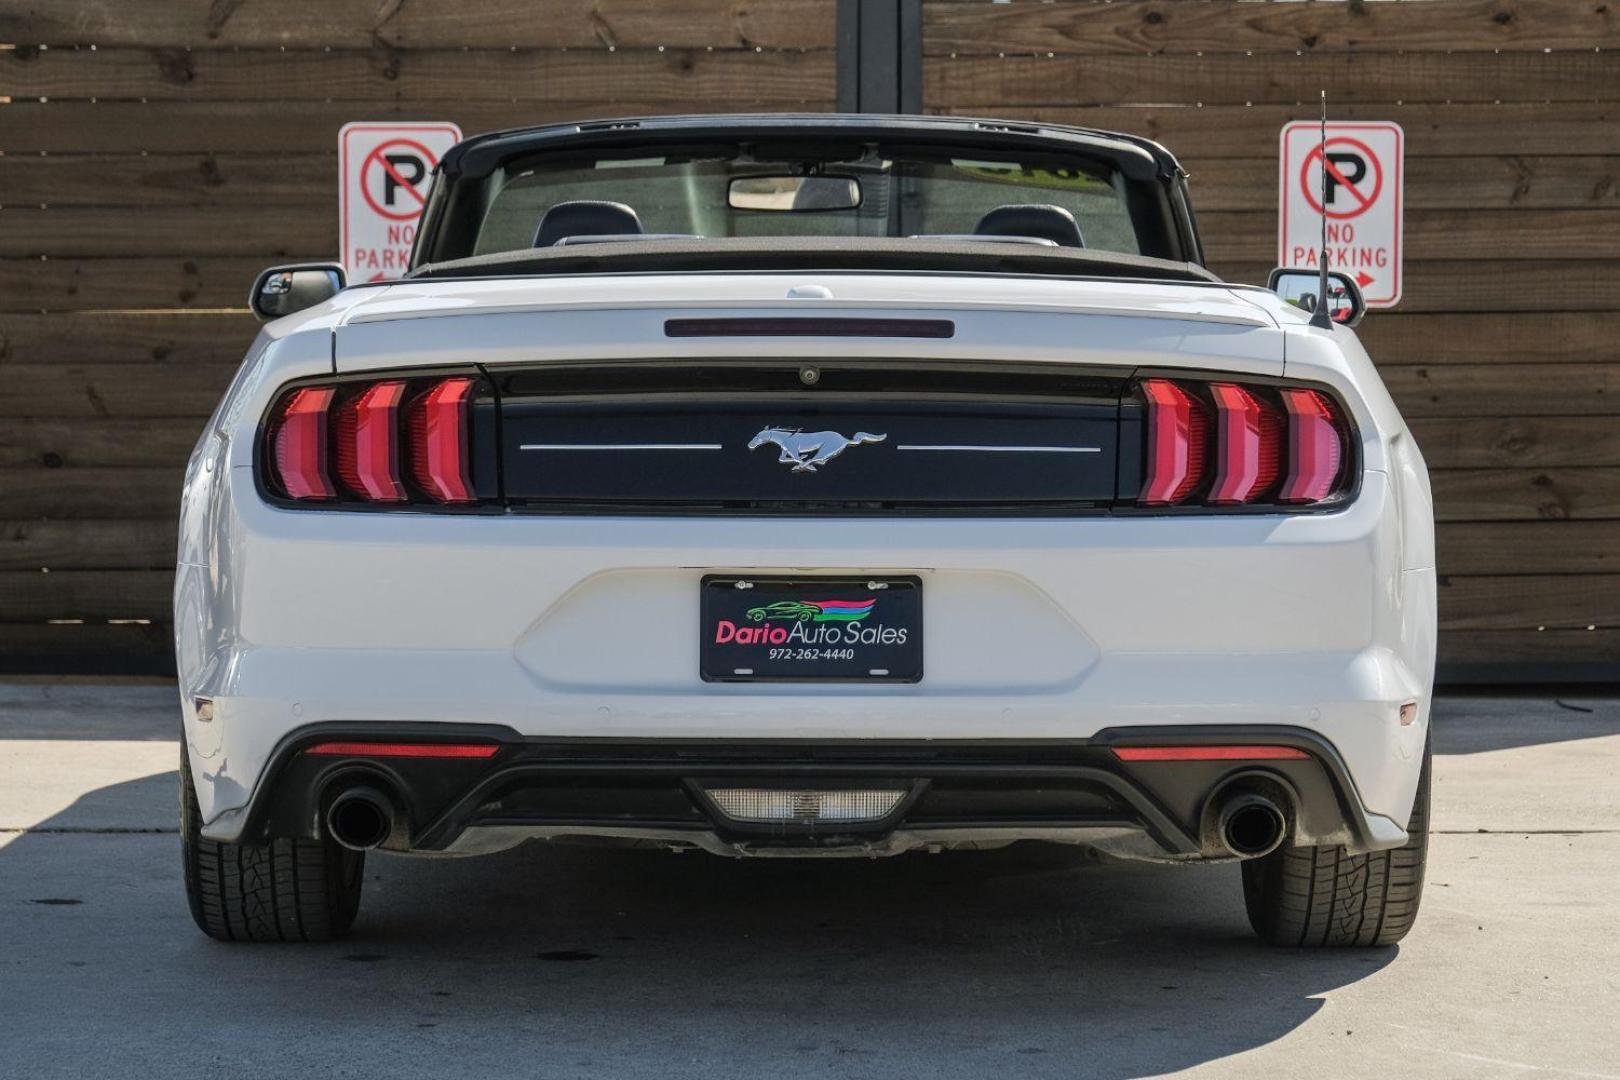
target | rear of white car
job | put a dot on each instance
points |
(810, 564)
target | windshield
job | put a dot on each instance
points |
(865, 191)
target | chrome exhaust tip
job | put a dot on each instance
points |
(360, 818)
(1251, 825)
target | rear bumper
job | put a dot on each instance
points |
(957, 794)
(558, 630)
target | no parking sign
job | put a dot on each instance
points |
(1356, 180)
(383, 175)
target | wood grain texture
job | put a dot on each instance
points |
(96, 647)
(740, 79)
(92, 494)
(1273, 79)
(32, 596)
(356, 24)
(88, 545)
(1089, 27)
(269, 234)
(113, 284)
(112, 390)
(1214, 131)
(1548, 337)
(1526, 494)
(252, 127)
(1529, 547)
(1518, 441)
(163, 337)
(1200, 135)
(1550, 646)
(304, 182)
(1569, 602)
(79, 442)
(1479, 390)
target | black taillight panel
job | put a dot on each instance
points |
(416, 440)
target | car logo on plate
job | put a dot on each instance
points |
(806, 450)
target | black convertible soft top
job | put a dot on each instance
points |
(460, 197)
(763, 253)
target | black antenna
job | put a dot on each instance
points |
(1321, 316)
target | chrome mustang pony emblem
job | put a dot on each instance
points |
(805, 450)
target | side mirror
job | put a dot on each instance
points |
(282, 290)
(1300, 287)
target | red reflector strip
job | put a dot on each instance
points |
(438, 424)
(1247, 446)
(1177, 429)
(299, 443)
(1315, 450)
(1208, 753)
(368, 443)
(402, 750)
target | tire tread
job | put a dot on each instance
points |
(284, 889)
(1326, 897)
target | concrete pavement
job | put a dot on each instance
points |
(572, 962)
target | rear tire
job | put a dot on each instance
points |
(1325, 897)
(281, 890)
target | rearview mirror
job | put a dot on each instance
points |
(282, 290)
(1302, 287)
(797, 193)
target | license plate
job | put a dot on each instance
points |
(816, 629)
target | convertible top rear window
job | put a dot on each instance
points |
(683, 188)
(897, 195)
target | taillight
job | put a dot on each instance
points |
(393, 441)
(1315, 450)
(438, 423)
(1178, 431)
(298, 441)
(1260, 433)
(1248, 439)
(368, 443)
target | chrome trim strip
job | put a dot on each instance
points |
(1009, 449)
(620, 446)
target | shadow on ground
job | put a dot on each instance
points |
(1476, 725)
(585, 962)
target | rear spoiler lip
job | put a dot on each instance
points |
(480, 155)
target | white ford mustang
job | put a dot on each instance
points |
(816, 486)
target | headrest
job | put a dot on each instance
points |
(585, 217)
(1041, 220)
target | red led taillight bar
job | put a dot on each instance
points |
(298, 436)
(1315, 448)
(438, 425)
(1248, 445)
(1178, 431)
(1223, 444)
(368, 443)
(393, 441)
(1209, 753)
(355, 748)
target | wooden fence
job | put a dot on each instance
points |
(158, 153)
(154, 154)
(1505, 351)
